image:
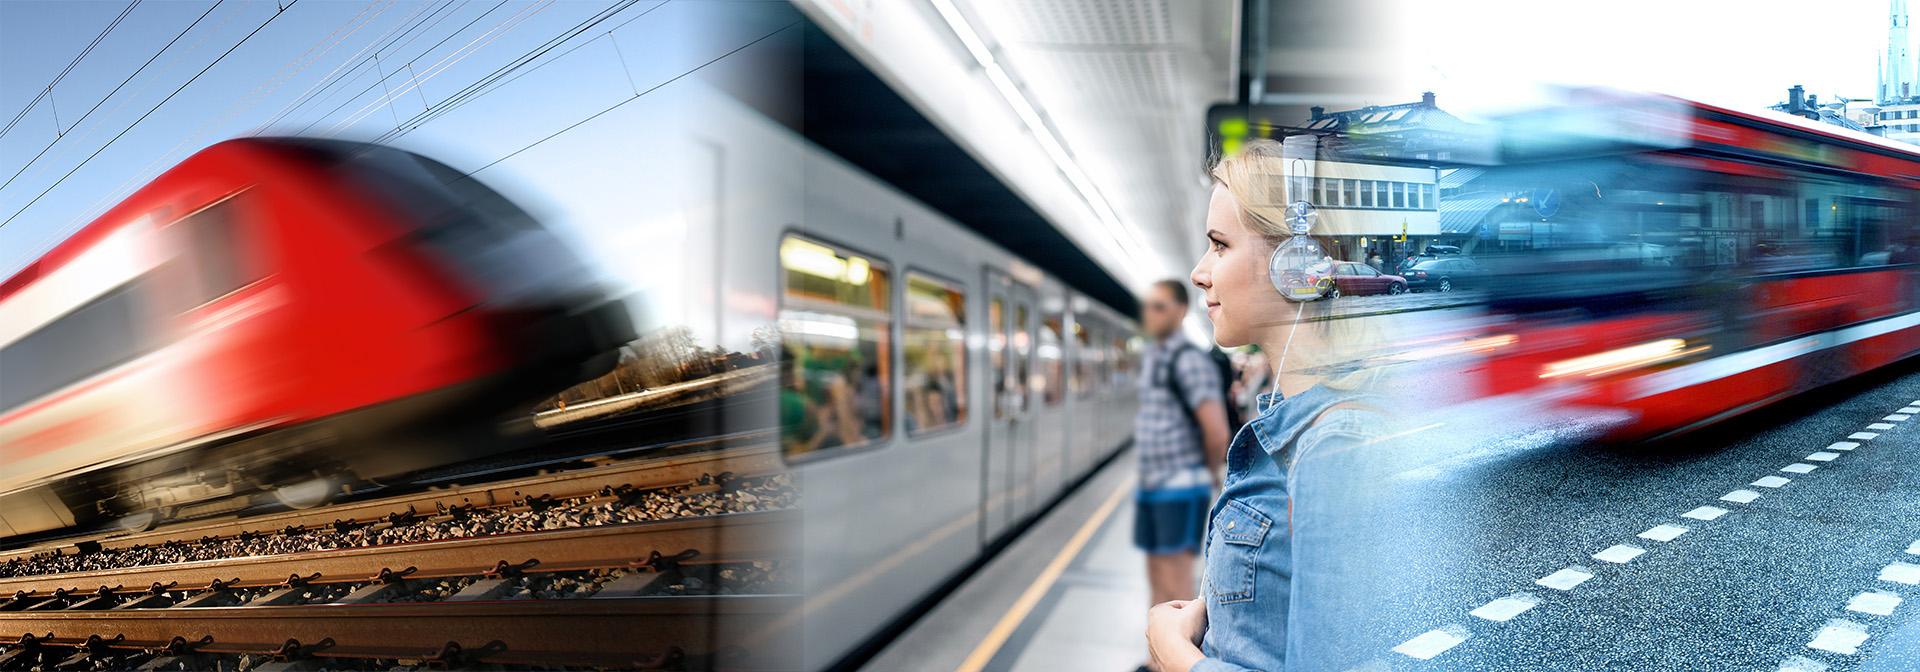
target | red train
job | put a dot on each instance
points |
(281, 315)
(1686, 263)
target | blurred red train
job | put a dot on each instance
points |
(281, 315)
(1686, 263)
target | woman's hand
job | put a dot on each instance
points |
(1174, 630)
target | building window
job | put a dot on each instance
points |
(1380, 193)
(1426, 197)
(1399, 194)
(1351, 200)
(1413, 196)
(1366, 193)
(835, 314)
(934, 340)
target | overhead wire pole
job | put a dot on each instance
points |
(196, 77)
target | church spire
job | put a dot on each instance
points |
(1897, 68)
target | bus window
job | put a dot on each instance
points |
(935, 344)
(835, 314)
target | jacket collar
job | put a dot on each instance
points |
(1282, 419)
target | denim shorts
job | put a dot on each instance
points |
(1172, 520)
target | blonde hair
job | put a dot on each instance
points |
(1257, 176)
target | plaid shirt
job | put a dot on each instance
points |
(1170, 448)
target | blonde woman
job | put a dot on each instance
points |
(1280, 554)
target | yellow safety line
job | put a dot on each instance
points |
(997, 637)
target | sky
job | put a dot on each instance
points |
(1480, 56)
(1485, 56)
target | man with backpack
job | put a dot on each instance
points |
(1181, 435)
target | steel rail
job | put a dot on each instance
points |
(589, 632)
(728, 537)
(756, 458)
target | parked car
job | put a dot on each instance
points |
(1431, 253)
(1446, 274)
(1355, 278)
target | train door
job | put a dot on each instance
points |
(1021, 415)
(996, 460)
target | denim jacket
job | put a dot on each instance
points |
(1285, 564)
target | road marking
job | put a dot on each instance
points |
(1619, 554)
(1743, 496)
(1910, 409)
(1840, 636)
(1876, 602)
(997, 637)
(1822, 456)
(1663, 532)
(1705, 513)
(1433, 642)
(1901, 572)
(1802, 664)
(1863, 436)
(1843, 445)
(1897, 417)
(1772, 482)
(1565, 579)
(1914, 548)
(1505, 608)
(1880, 425)
(1798, 468)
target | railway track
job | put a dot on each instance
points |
(660, 563)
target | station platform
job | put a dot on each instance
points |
(1070, 593)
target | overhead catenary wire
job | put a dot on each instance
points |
(47, 91)
(110, 94)
(335, 76)
(143, 117)
(445, 62)
(462, 29)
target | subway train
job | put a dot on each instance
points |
(1006, 386)
(280, 316)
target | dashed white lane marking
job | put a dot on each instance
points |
(1880, 425)
(1862, 436)
(1840, 636)
(1745, 496)
(1798, 468)
(1432, 642)
(1901, 572)
(1663, 532)
(1914, 548)
(1843, 445)
(1772, 482)
(1897, 417)
(1876, 602)
(1505, 608)
(1822, 456)
(1802, 664)
(1565, 579)
(1705, 513)
(1910, 409)
(1619, 554)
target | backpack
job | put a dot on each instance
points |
(1225, 367)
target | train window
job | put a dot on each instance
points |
(934, 340)
(1086, 360)
(997, 353)
(219, 263)
(107, 331)
(835, 320)
(1023, 382)
(1052, 367)
(1122, 365)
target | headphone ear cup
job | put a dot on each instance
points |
(1299, 269)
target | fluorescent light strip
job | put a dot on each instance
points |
(1048, 141)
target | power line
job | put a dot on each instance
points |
(48, 91)
(277, 14)
(349, 101)
(110, 94)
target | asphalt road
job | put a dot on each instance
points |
(1479, 511)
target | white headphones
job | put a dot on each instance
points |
(1298, 267)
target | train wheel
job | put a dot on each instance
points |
(139, 521)
(306, 494)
